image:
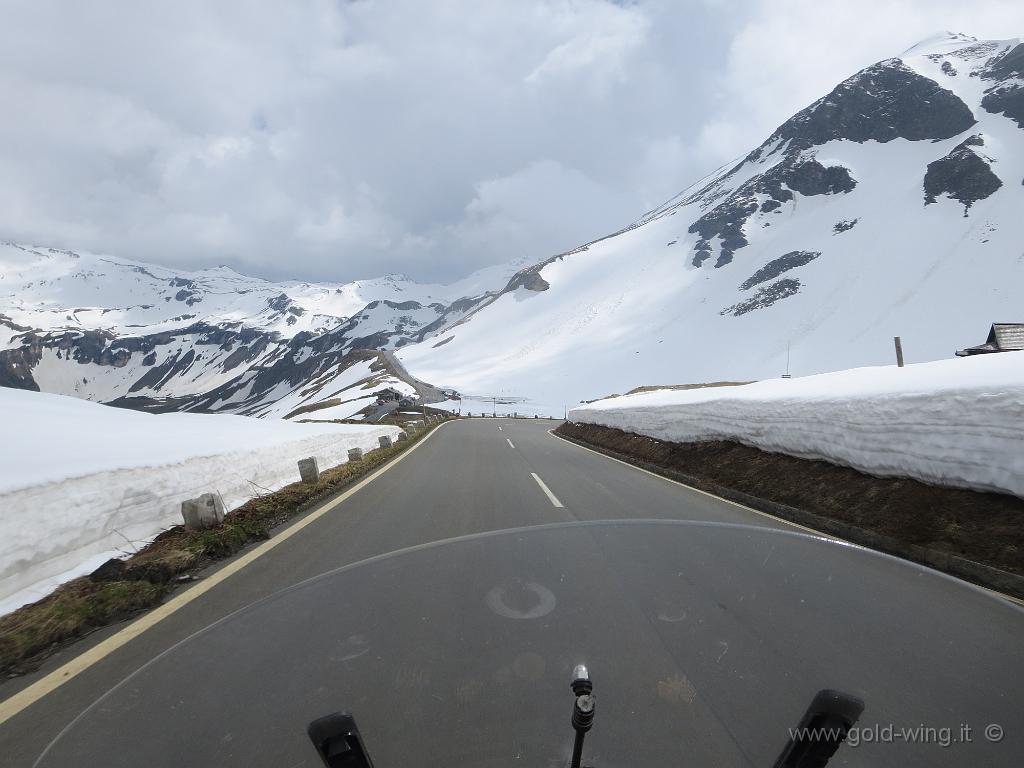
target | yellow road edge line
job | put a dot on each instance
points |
(71, 669)
(997, 593)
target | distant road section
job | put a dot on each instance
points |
(427, 393)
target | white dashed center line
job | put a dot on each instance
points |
(547, 491)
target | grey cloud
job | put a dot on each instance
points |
(331, 140)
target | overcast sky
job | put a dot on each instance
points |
(336, 140)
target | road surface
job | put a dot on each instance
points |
(480, 475)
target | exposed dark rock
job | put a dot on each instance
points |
(776, 267)
(962, 174)
(529, 278)
(724, 257)
(727, 219)
(16, 365)
(886, 101)
(701, 252)
(844, 226)
(813, 178)
(405, 306)
(5, 320)
(1007, 100)
(725, 222)
(378, 340)
(765, 297)
(948, 69)
(149, 359)
(188, 295)
(244, 354)
(280, 303)
(1007, 95)
(159, 375)
(1010, 64)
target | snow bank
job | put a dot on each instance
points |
(82, 482)
(952, 422)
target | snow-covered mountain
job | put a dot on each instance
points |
(129, 333)
(891, 206)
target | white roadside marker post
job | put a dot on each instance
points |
(203, 511)
(309, 471)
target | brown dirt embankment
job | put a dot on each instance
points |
(976, 536)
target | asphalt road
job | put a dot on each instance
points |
(732, 627)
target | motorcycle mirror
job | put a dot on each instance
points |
(337, 741)
(821, 730)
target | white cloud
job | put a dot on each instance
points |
(596, 49)
(508, 217)
(336, 140)
(787, 53)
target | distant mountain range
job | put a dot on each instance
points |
(143, 336)
(891, 206)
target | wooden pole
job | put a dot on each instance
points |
(899, 351)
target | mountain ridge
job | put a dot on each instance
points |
(892, 195)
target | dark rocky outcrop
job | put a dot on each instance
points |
(776, 267)
(1006, 97)
(962, 174)
(529, 278)
(886, 101)
(765, 297)
(158, 375)
(6, 321)
(844, 226)
(727, 219)
(701, 252)
(280, 303)
(16, 366)
(812, 178)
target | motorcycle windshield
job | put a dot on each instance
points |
(705, 644)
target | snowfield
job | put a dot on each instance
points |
(952, 422)
(82, 482)
(826, 277)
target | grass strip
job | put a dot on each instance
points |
(121, 589)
